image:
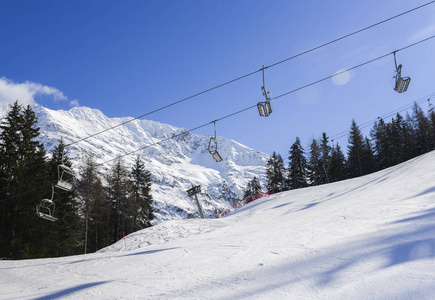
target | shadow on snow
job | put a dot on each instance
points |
(71, 290)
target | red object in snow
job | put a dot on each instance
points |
(255, 197)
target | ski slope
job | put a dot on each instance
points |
(371, 237)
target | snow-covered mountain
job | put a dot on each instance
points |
(175, 164)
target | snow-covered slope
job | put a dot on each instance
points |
(367, 238)
(175, 164)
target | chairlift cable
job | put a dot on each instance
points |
(251, 73)
(277, 97)
(163, 107)
(334, 137)
(153, 144)
(387, 115)
(350, 34)
(232, 114)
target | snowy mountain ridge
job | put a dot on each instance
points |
(176, 158)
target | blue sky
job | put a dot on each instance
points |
(128, 58)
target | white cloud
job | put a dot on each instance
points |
(26, 92)
(74, 103)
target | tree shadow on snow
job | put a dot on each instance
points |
(71, 290)
(427, 214)
(415, 250)
(428, 191)
(309, 206)
(375, 253)
(150, 251)
(331, 196)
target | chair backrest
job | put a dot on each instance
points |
(264, 108)
(212, 148)
(66, 178)
(45, 210)
(402, 84)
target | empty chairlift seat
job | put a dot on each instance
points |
(264, 108)
(45, 209)
(212, 148)
(401, 83)
(66, 178)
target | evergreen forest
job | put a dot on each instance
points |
(95, 214)
(323, 161)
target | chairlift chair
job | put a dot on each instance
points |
(66, 178)
(431, 107)
(265, 108)
(402, 83)
(212, 146)
(45, 209)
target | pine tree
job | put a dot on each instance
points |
(382, 140)
(421, 126)
(297, 166)
(256, 186)
(142, 206)
(24, 183)
(252, 187)
(354, 151)
(410, 149)
(275, 174)
(368, 158)
(119, 193)
(325, 158)
(99, 218)
(95, 208)
(68, 224)
(9, 143)
(337, 170)
(395, 141)
(314, 167)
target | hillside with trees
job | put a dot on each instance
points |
(90, 217)
(390, 143)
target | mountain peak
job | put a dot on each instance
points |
(175, 163)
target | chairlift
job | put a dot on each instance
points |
(265, 108)
(66, 177)
(45, 209)
(431, 107)
(212, 146)
(402, 83)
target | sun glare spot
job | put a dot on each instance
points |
(341, 77)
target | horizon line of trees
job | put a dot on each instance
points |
(390, 143)
(92, 216)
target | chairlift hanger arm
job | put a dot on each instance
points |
(395, 62)
(265, 92)
(212, 146)
(214, 122)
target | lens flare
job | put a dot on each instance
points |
(341, 77)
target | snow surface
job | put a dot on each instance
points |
(371, 237)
